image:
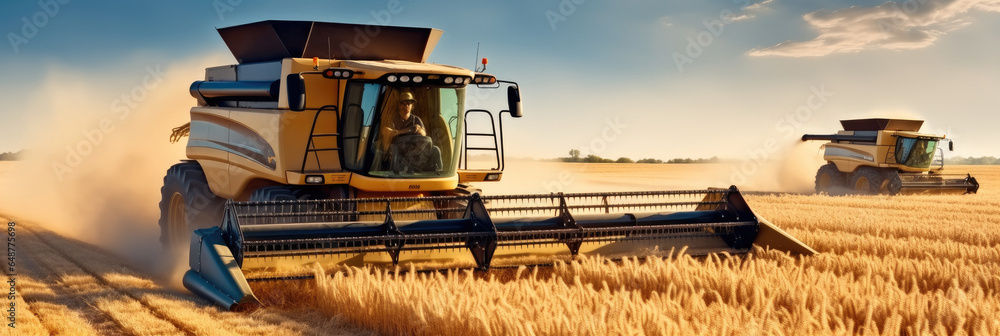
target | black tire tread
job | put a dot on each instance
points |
(203, 208)
(874, 180)
(838, 179)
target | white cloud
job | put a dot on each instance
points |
(758, 6)
(749, 12)
(910, 24)
(665, 21)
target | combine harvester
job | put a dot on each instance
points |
(872, 156)
(339, 144)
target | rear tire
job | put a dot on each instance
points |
(186, 204)
(894, 183)
(866, 181)
(829, 179)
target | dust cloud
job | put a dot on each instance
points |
(97, 152)
(792, 168)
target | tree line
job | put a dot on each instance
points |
(10, 156)
(983, 160)
(574, 156)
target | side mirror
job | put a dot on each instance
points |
(514, 102)
(951, 146)
(296, 87)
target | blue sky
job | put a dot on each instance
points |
(743, 79)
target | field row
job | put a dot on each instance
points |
(70, 288)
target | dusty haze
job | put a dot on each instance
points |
(95, 164)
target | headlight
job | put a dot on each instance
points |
(417, 79)
(404, 78)
(448, 80)
(391, 78)
(314, 179)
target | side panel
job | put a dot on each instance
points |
(849, 157)
(255, 139)
(319, 91)
(207, 144)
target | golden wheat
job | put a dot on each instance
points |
(916, 264)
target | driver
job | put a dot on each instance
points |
(404, 122)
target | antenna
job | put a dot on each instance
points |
(475, 64)
(329, 53)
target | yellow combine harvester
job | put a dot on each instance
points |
(872, 156)
(338, 143)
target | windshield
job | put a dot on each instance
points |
(914, 152)
(402, 132)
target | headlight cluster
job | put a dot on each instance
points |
(484, 79)
(456, 80)
(427, 79)
(405, 78)
(338, 73)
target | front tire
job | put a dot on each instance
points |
(829, 179)
(186, 204)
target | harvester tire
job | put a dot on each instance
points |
(461, 190)
(276, 193)
(829, 179)
(894, 184)
(866, 181)
(187, 204)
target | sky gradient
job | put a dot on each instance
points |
(635, 78)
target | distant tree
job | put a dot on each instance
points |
(10, 156)
(574, 153)
(624, 160)
(649, 160)
(984, 160)
(596, 159)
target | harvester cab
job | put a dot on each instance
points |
(872, 156)
(337, 143)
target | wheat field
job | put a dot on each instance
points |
(914, 264)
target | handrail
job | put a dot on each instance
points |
(312, 131)
(493, 129)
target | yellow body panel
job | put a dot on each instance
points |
(465, 176)
(295, 177)
(403, 185)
